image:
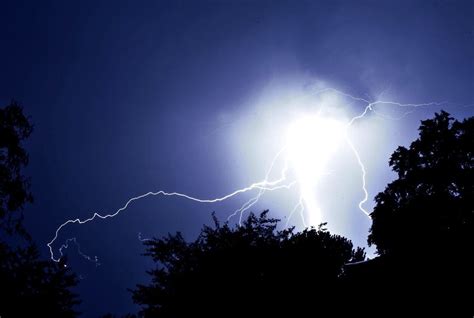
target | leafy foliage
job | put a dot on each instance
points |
(14, 187)
(241, 267)
(430, 206)
(29, 286)
(34, 286)
(423, 224)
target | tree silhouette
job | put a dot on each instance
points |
(430, 206)
(29, 286)
(423, 221)
(243, 269)
(14, 187)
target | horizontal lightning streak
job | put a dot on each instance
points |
(262, 185)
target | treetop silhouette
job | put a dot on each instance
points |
(254, 261)
(14, 187)
(430, 206)
(29, 286)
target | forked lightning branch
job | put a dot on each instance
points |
(310, 143)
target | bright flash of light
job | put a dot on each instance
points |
(310, 144)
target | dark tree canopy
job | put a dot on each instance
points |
(29, 286)
(14, 187)
(245, 270)
(423, 225)
(430, 206)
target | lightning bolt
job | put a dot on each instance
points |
(141, 239)
(73, 240)
(283, 181)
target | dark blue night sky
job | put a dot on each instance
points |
(138, 96)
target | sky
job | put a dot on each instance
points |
(128, 97)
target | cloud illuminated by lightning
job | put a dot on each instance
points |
(283, 181)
